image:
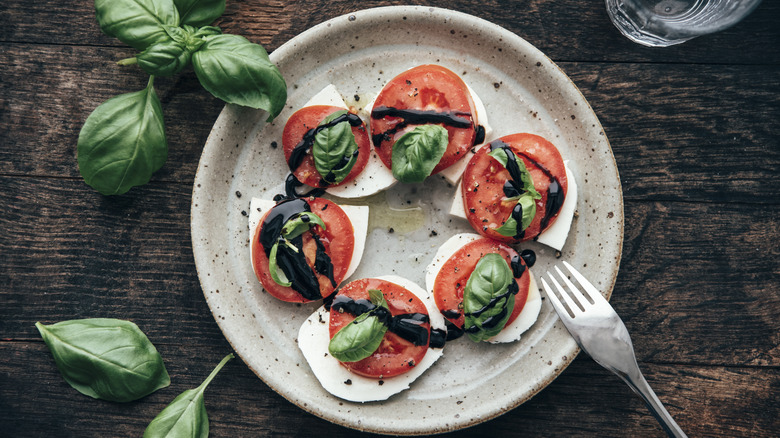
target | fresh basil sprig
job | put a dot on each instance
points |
(291, 229)
(417, 152)
(186, 415)
(527, 194)
(332, 147)
(166, 34)
(123, 142)
(108, 359)
(360, 338)
(487, 302)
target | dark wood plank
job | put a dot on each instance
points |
(568, 30)
(584, 401)
(679, 132)
(697, 284)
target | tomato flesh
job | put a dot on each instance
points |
(487, 208)
(455, 272)
(309, 118)
(338, 239)
(425, 88)
(395, 354)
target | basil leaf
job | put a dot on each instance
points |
(500, 154)
(377, 298)
(332, 147)
(358, 339)
(165, 58)
(277, 275)
(417, 152)
(186, 415)
(108, 359)
(487, 304)
(123, 142)
(300, 224)
(237, 71)
(527, 203)
(199, 12)
(137, 23)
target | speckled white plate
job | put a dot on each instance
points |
(523, 91)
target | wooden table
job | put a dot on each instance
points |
(693, 129)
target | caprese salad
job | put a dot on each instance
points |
(373, 339)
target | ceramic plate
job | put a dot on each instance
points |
(523, 91)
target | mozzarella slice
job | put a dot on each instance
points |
(533, 303)
(375, 177)
(313, 340)
(453, 173)
(555, 236)
(357, 214)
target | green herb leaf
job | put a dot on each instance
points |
(186, 415)
(527, 202)
(487, 304)
(165, 58)
(377, 298)
(123, 142)
(332, 146)
(527, 196)
(240, 72)
(417, 152)
(137, 23)
(108, 359)
(500, 154)
(358, 339)
(199, 12)
(277, 275)
(300, 224)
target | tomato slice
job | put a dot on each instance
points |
(337, 238)
(455, 272)
(395, 354)
(309, 118)
(487, 207)
(425, 88)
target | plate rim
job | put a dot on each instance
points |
(395, 13)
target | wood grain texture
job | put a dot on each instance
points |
(566, 30)
(706, 401)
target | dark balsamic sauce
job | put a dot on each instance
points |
(514, 187)
(517, 266)
(529, 257)
(291, 185)
(421, 117)
(408, 326)
(302, 148)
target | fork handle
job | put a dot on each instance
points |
(640, 386)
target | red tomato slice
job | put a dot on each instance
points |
(455, 272)
(338, 239)
(487, 208)
(425, 88)
(395, 355)
(309, 118)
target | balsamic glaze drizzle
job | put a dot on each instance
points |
(555, 195)
(423, 117)
(302, 148)
(407, 326)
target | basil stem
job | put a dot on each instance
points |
(334, 149)
(186, 415)
(240, 72)
(123, 142)
(137, 23)
(199, 12)
(108, 359)
(488, 299)
(523, 185)
(360, 338)
(417, 152)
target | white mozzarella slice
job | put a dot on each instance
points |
(375, 177)
(357, 214)
(533, 303)
(313, 340)
(453, 173)
(526, 318)
(555, 236)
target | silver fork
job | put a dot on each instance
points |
(600, 332)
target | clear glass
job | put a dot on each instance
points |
(661, 23)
